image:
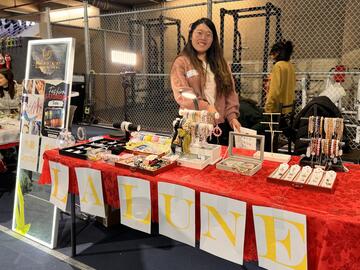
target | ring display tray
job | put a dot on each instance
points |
(315, 179)
(239, 162)
(80, 150)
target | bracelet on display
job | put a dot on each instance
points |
(311, 126)
(318, 146)
(217, 131)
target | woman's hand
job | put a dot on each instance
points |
(235, 124)
(211, 109)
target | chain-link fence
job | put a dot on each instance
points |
(324, 34)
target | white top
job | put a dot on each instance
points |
(6, 103)
(210, 85)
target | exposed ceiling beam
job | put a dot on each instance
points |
(108, 5)
(21, 6)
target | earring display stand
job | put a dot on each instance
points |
(316, 179)
(271, 156)
(325, 143)
(190, 139)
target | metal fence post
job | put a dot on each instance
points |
(88, 88)
(209, 9)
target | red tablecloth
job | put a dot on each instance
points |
(333, 220)
(8, 145)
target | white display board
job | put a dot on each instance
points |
(59, 184)
(177, 212)
(44, 114)
(222, 226)
(280, 238)
(90, 191)
(135, 203)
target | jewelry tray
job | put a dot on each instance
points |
(80, 150)
(129, 164)
(193, 161)
(301, 185)
(245, 165)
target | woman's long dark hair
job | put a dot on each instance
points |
(283, 49)
(214, 57)
(11, 84)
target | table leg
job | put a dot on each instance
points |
(73, 225)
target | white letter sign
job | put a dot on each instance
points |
(222, 227)
(280, 239)
(135, 203)
(177, 212)
(90, 191)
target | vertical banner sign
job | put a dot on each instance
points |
(90, 191)
(222, 227)
(59, 184)
(44, 113)
(280, 239)
(29, 154)
(177, 212)
(46, 144)
(135, 203)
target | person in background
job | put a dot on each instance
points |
(202, 69)
(9, 100)
(281, 93)
(282, 79)
(9, 103)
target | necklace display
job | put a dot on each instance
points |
(199, 125)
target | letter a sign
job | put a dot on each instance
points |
(90, 191)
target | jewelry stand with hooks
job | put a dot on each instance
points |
(190, 138)
(325, 143)
(271, 156)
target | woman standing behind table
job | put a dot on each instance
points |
(202, 69)
(9, 100)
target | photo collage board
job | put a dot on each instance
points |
(44, 114)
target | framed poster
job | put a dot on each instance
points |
(44, 113)
(47, 61)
